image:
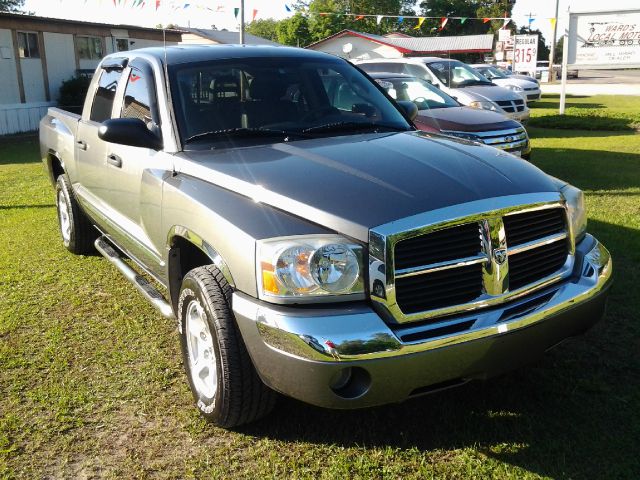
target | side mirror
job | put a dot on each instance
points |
(129, 131)
(409, 109)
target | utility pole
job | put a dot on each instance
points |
(242, 22)
(552, 74)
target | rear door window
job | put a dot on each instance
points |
(105, 94)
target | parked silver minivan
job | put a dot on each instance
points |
(458, 80)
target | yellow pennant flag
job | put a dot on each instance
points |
(420, 22)
(553, 22)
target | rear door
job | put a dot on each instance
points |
(90, 150)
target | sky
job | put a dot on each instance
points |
(197, 16)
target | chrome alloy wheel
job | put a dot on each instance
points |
(65, 220)
(202, 358)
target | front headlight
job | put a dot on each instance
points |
(485, 106)
(307, 267)
(577, 210)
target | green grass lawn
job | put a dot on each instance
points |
(599, 112)
(91, 383)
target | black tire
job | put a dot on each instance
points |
(240, 396)
(79, 234)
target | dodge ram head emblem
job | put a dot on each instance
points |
(500, 255)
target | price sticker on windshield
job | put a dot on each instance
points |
(525, 53)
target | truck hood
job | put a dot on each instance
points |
(352, 183)
(488, 92)
(464, 119)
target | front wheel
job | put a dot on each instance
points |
(225, 385)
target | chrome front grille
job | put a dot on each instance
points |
(513, 139)
(440, 246)
(439, 288)
(525, 227)
(442, 268)
(511, 106)
(509, 139)
(531, 265)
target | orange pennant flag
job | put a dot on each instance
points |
(359, 17)
(485, 20)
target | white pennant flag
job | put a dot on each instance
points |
(379, 19)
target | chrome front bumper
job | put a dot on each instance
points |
(349, 357)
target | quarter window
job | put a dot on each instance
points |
(28, 45)
(89, 48)
(136, 98)
(103, 101)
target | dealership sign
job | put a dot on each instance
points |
(604, 39)
(525, 53)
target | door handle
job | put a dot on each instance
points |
(82, 145)
(114, 160)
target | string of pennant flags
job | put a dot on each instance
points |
(400, 19)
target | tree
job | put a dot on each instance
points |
(11, 5)
(557, 53)
(265, 28)
(466, 9)
(294, 31)
(322, 26)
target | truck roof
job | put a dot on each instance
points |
(177, 54)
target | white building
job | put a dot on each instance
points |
(37, 54)
(354, 45)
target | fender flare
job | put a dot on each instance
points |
(179, 231)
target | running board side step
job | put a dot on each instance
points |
(147, 290)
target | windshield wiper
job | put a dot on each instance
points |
(352, 126)
(246, 133)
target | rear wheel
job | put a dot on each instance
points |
(225, 385)
(76, 230)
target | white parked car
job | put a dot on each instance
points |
(457, 79)
(530, 89)
(509, 73)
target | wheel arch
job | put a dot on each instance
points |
(55, 165)
(188, 250)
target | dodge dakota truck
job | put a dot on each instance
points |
(322, 250)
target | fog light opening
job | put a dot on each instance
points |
(350, 382)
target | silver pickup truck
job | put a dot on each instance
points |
(321, 249)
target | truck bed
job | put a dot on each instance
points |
(58, 129)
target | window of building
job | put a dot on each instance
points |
(28, 45)
(103, 101)
(136, 98)
(122, 44)
(89, 48)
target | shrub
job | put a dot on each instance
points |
(73, 93)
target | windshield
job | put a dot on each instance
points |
(418, 91)
(277, 99)
(491, 72)
(456, 74)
